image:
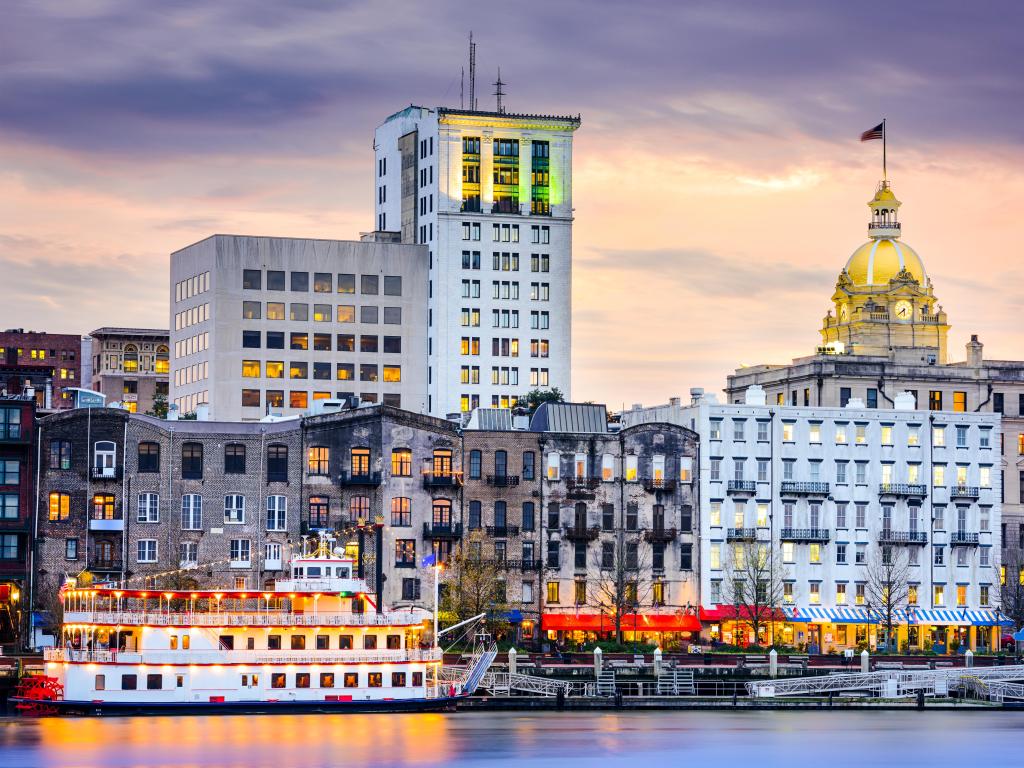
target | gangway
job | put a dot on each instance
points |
(503, 683)
(887, 684)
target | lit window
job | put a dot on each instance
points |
(392, 373)
(250, 369)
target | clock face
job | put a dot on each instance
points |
(904, 310)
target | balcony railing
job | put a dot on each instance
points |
(964, 492)
(963, 539)
(100, 523)
(802, 488)
(441, 480)
(580, 533)
(183, 657)
(741, 486)
(660, 534)
(909, 490)
(270, 618)
(105, 473)
(741, 534)
(874, 226)
(809, 535)
(585, 483)
(314, 524)
(104, 565)
(503, 481)
(359, 478)
(902, 537)
(442, 531)
(502, 531)
(653, 484)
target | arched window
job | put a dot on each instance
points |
(442, 513)
(104, 459)
(192, 461)
(163, 364)
(277, 463)
(149, 457)
(234, 459)
(131, 358)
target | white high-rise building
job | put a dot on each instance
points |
(490, 195)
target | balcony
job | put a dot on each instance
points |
(525, 565)
(903, 537)
(442, 531)
(441, 480)
(963, 539)
(660, 534)
(806, 535)
(737, 487)
(903, 490)
(105, 565)
(964, 492)
(800, 488)
(314, 524)
(582, 488)
(581, 533)
(741, 534)
(106, 523)
(656, 484)
(881, 226)
(360, 478)
(502, 531)
(503, 481)
(105, 473)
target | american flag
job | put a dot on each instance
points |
(878, 132)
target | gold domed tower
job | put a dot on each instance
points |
(883, 300)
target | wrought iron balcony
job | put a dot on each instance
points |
(741, 534)
(809, 535)
(741, 486)
(964, 492)
(579, 533)
(442, 531)
(581, 482)
(314, 524)
(654, 484)
(902, 537)
(875, 226)
(441, 480)
(503, 481)
(502, 531)
(660, 534)
(905, 490)
(963, 539)
(359, 478)
(804, 488)
(105, 565)
(105, 473)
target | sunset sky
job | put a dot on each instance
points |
(719, 182)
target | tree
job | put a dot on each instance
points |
(622, 582)
(159, 408)
(532, 400)
(754, 585)
(473, 584)
(887, 586)
(1011, 592)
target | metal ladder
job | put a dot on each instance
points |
(606, 682)
(676, 682)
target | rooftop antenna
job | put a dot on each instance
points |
(462, 90)
(472, 72)
(499, 91)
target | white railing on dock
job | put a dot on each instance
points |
(257, 619)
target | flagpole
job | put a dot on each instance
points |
(437, 572)
(885, 172)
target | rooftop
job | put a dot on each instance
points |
(113, 331)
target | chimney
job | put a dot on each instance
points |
(696, 393)
(974, 348)
(675, 401)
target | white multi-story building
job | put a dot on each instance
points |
(833, 493)
(490, 195)
(270, 324)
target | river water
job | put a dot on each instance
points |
(637, 739)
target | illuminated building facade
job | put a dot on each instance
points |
(17, 483)
(490, 195)
(130, 366)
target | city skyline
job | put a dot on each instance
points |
(745, 198)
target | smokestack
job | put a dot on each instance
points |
(974, 350)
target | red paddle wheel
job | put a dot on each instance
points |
(34, 691)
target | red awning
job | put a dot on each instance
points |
(746, 612)
(644, 622)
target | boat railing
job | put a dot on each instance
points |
(249, 619)
(207, 656)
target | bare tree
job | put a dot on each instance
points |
(887, 586)
(754, 584)
(1011, 593)
(474, 584)
(623, 579)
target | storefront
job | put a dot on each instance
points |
(666, 630)
(734, 625)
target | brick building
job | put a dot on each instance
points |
(17, 477)
(130, 366)
(47, 362)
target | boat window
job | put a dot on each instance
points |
(345, 642)
(323, 642)
(298, 571)
(273, 642)
(313, 571)
(101, 682)
(343, 573)
(129, 682)
(299, 643)
(370, 642)
(277, 680)
(326, 679)
(351, 679)
(394, 642)
(375, 679)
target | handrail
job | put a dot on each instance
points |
(258, 619)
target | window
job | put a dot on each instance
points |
(277, 513)
(239, 550)
(191, 512)
(60, 450)
(234, 459)
(405, 553)
(192, 461)
(60, 506)
(149, 508)
(475, 462)
(960, 401)
(401, 511)
(277, 463)
(234, 508)
(318, 460)
(401, 462)
(10, 424)
(146, 551)
(71, 549)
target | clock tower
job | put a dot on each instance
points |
(884, 302)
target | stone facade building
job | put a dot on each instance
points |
(130, 366)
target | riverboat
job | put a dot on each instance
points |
(319, 641)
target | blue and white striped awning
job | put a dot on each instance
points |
(844, 614)
(851, 614)
(958, 617)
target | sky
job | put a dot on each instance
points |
(719, 184)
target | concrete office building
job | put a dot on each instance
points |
(831, 492)
(490, 196)
(130, 366)
(270, 325)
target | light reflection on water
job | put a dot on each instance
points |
(645, 739)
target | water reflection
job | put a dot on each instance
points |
(761, 738)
